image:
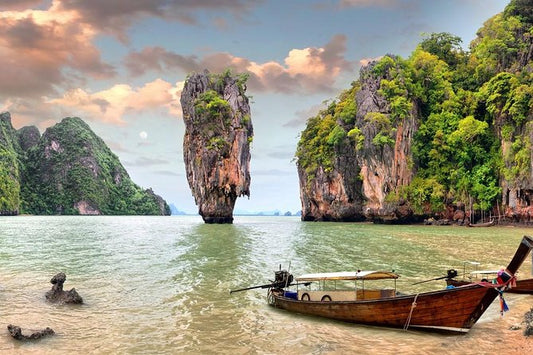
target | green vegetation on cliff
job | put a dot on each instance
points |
(213, 112)
(69, 170)
(473, 110)
(72, 171)
(327, 132)
(9, 167)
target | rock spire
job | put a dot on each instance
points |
(216, 146)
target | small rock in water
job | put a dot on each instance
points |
(16, 332)
(528, 319)
(58, 295)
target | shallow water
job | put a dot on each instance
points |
(160, 285)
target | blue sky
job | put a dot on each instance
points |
(120, 65)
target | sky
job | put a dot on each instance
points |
(120, 65)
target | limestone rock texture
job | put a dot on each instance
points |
(383, 168)
(58, 295)
(354, 186)
(332, 195)
(216, 145)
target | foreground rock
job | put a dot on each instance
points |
(528, 319)
(216, 146)
(58, 295)
(16, 332)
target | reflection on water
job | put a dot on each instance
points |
(161, 285)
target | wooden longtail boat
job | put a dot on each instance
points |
(455, 309)
(486, 224)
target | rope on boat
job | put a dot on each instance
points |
(408, 321)
(504, 281)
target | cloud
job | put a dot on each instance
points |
(301, 117)
(168, 173)
(18, 4)
(112, 104)
(30, 112)
(49, 58)
(38, 47)
(365, 61)
(160, 60)
(44, 50)
(117, 15)
(144, 161)
(306, 70)
(282, 153)
(368, 3)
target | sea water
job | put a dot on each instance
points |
(160, 285)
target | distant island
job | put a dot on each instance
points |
(176, 212)
(266, 213)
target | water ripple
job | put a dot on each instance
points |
(160, 285)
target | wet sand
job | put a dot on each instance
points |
(511, 339)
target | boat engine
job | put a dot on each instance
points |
(451, 274)
(282, 279)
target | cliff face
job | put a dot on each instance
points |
(443, 134)
(359, 173)
(511, 104)
(29, 137)
(328, 196)
(67, 170)
(332, 193)
(216, 145)
(384, 167)
(72, 171)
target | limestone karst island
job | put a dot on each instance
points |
(68, 170)
(442, 135)
(216, 146)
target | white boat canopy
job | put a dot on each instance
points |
(483, 272)
(349, 275)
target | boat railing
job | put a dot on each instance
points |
(346, 286)
(344, 295)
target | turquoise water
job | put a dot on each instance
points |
(160, 285)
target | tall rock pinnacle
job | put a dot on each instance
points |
(216, 146)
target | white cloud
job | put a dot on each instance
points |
(112, 104)
(365, 61)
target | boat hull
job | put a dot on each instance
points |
(451, 310)
(524, 286)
